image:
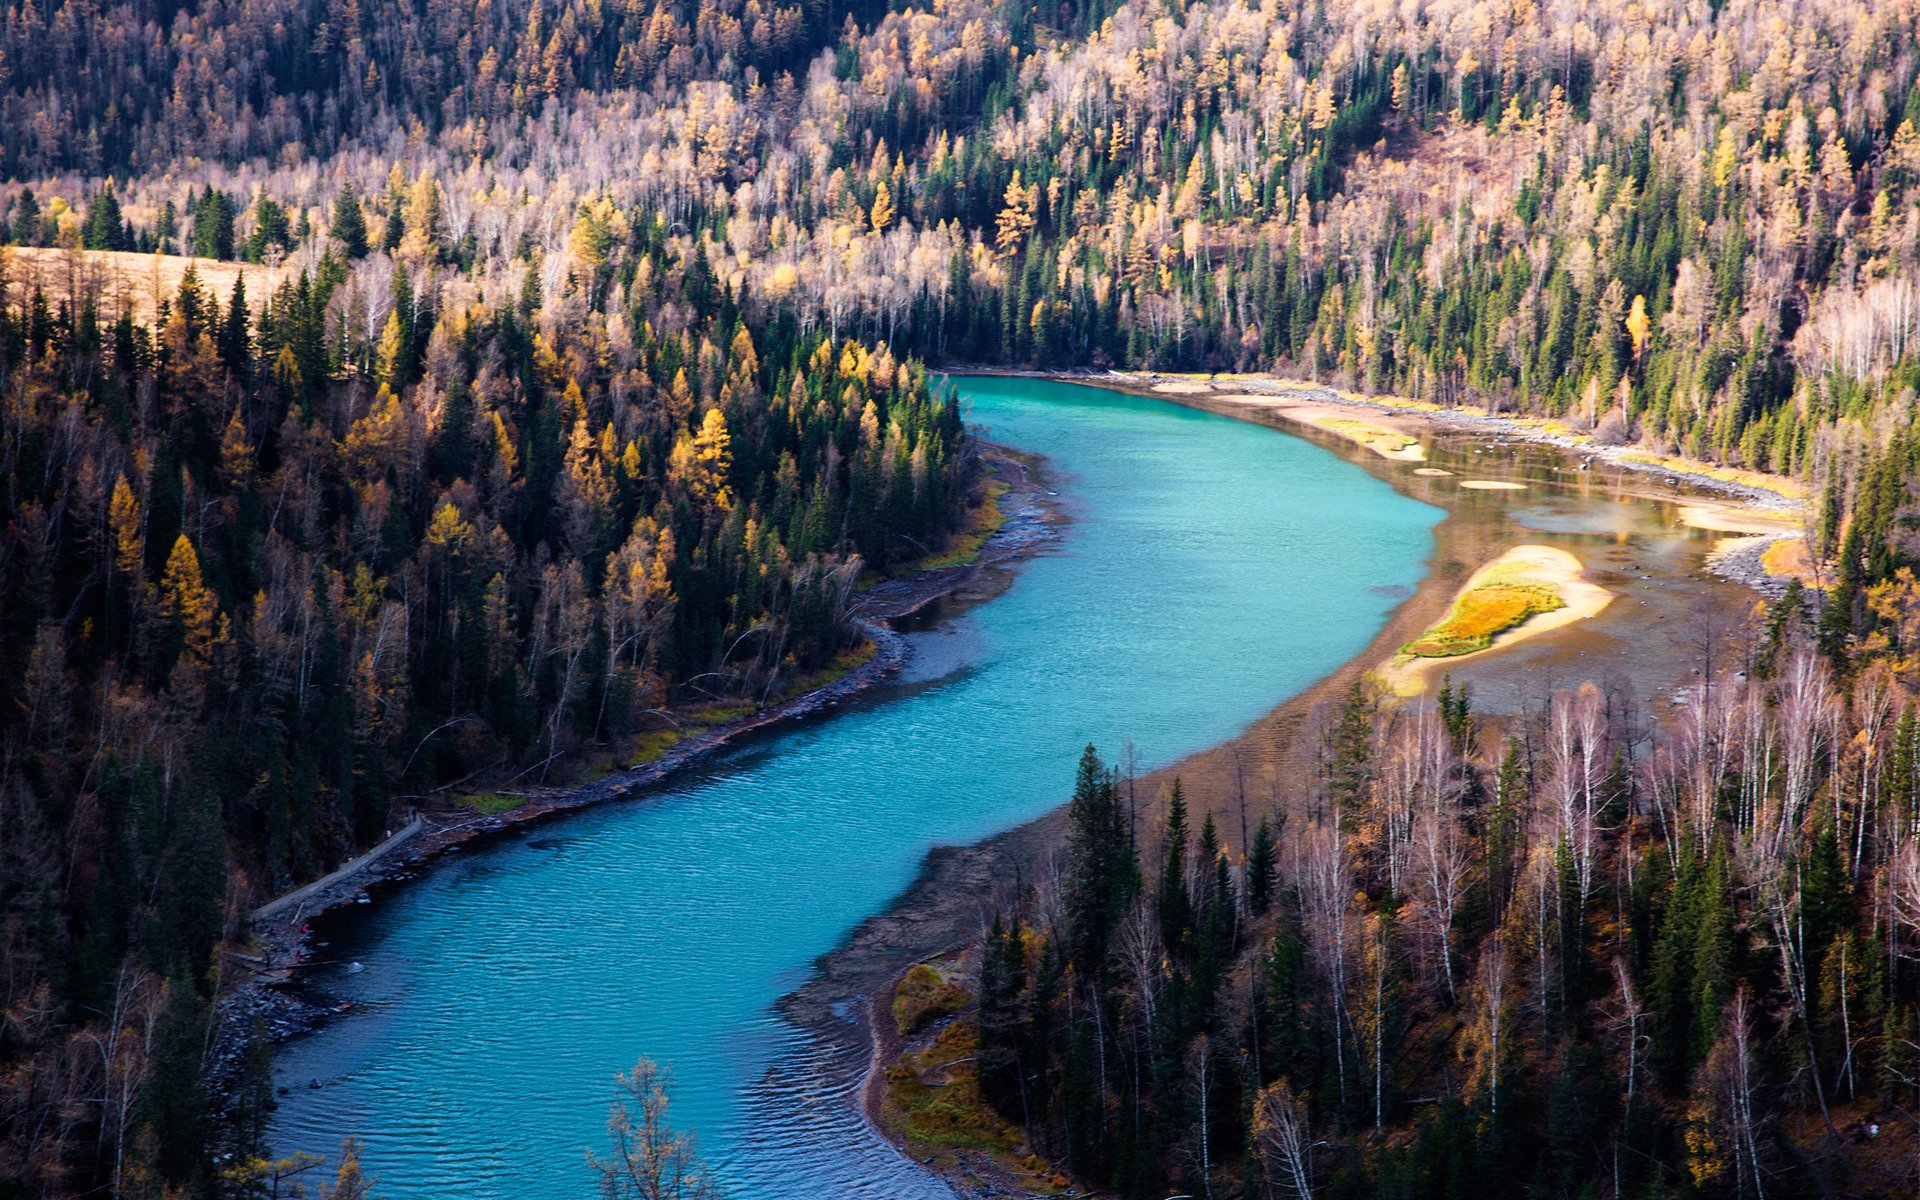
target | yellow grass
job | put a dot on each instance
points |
(1791, 488)
(652, 745)
(1323, 415)
(126, 282)
(1788, 558)
(833, 672)
(1384, 442)
(983, 521)
(1479, 614)
(1526, 592)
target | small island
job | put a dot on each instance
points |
(1523, 593)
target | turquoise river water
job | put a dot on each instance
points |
(1212, 568)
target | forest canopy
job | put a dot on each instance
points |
(569, 366)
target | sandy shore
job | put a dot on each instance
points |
(1745, 519)
(1390, 436)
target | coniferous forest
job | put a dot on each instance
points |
(568, 366)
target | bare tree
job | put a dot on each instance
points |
(649, 1160)
(1284, 1139)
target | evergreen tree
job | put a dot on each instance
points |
(271, 230)
(1260, 873)
(1175, 904)
(213, 225)
(26, 219)
(350, 225)
(1100, 877)
(104, 228)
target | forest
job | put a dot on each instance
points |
(580, 372)
(1584, 953)
(267, 587)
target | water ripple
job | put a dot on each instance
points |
(1214, 568)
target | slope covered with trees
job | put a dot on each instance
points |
(1693, 224)
(590, 376)
(271, 575)
(1566, 959)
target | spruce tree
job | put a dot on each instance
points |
(350, 225)
(104, 228)
(1175, 905)
(1260, 876)
(26, 219)
(213, 225)
(1100, 869)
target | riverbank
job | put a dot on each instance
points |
(951, 900)
(288, 932)
(958, 887)
(1237, 395)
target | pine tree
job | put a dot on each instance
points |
(271, 230)
(26, 219)
(174, 1099)
(104, 226)
(213, 225)
(350, 225)
(1002, 978)
(1716, 951)
(1352, 751)
(1175, 904)
(1260, 869)
(1100, 869)
(235, 342)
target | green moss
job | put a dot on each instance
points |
(491, 804)
(933, 1101)
(924, 995)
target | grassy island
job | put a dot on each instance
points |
(1481, 613)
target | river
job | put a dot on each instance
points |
(1211, 569)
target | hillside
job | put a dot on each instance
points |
(581, 373)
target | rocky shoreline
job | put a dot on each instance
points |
(268, 993)
(1742, 559)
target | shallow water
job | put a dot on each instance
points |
(1212, 569)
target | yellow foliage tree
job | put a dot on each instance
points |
(1639, 325)
(387, 358)
(1010, 230)
(186, 600)
(123, 514)
(699, 463)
